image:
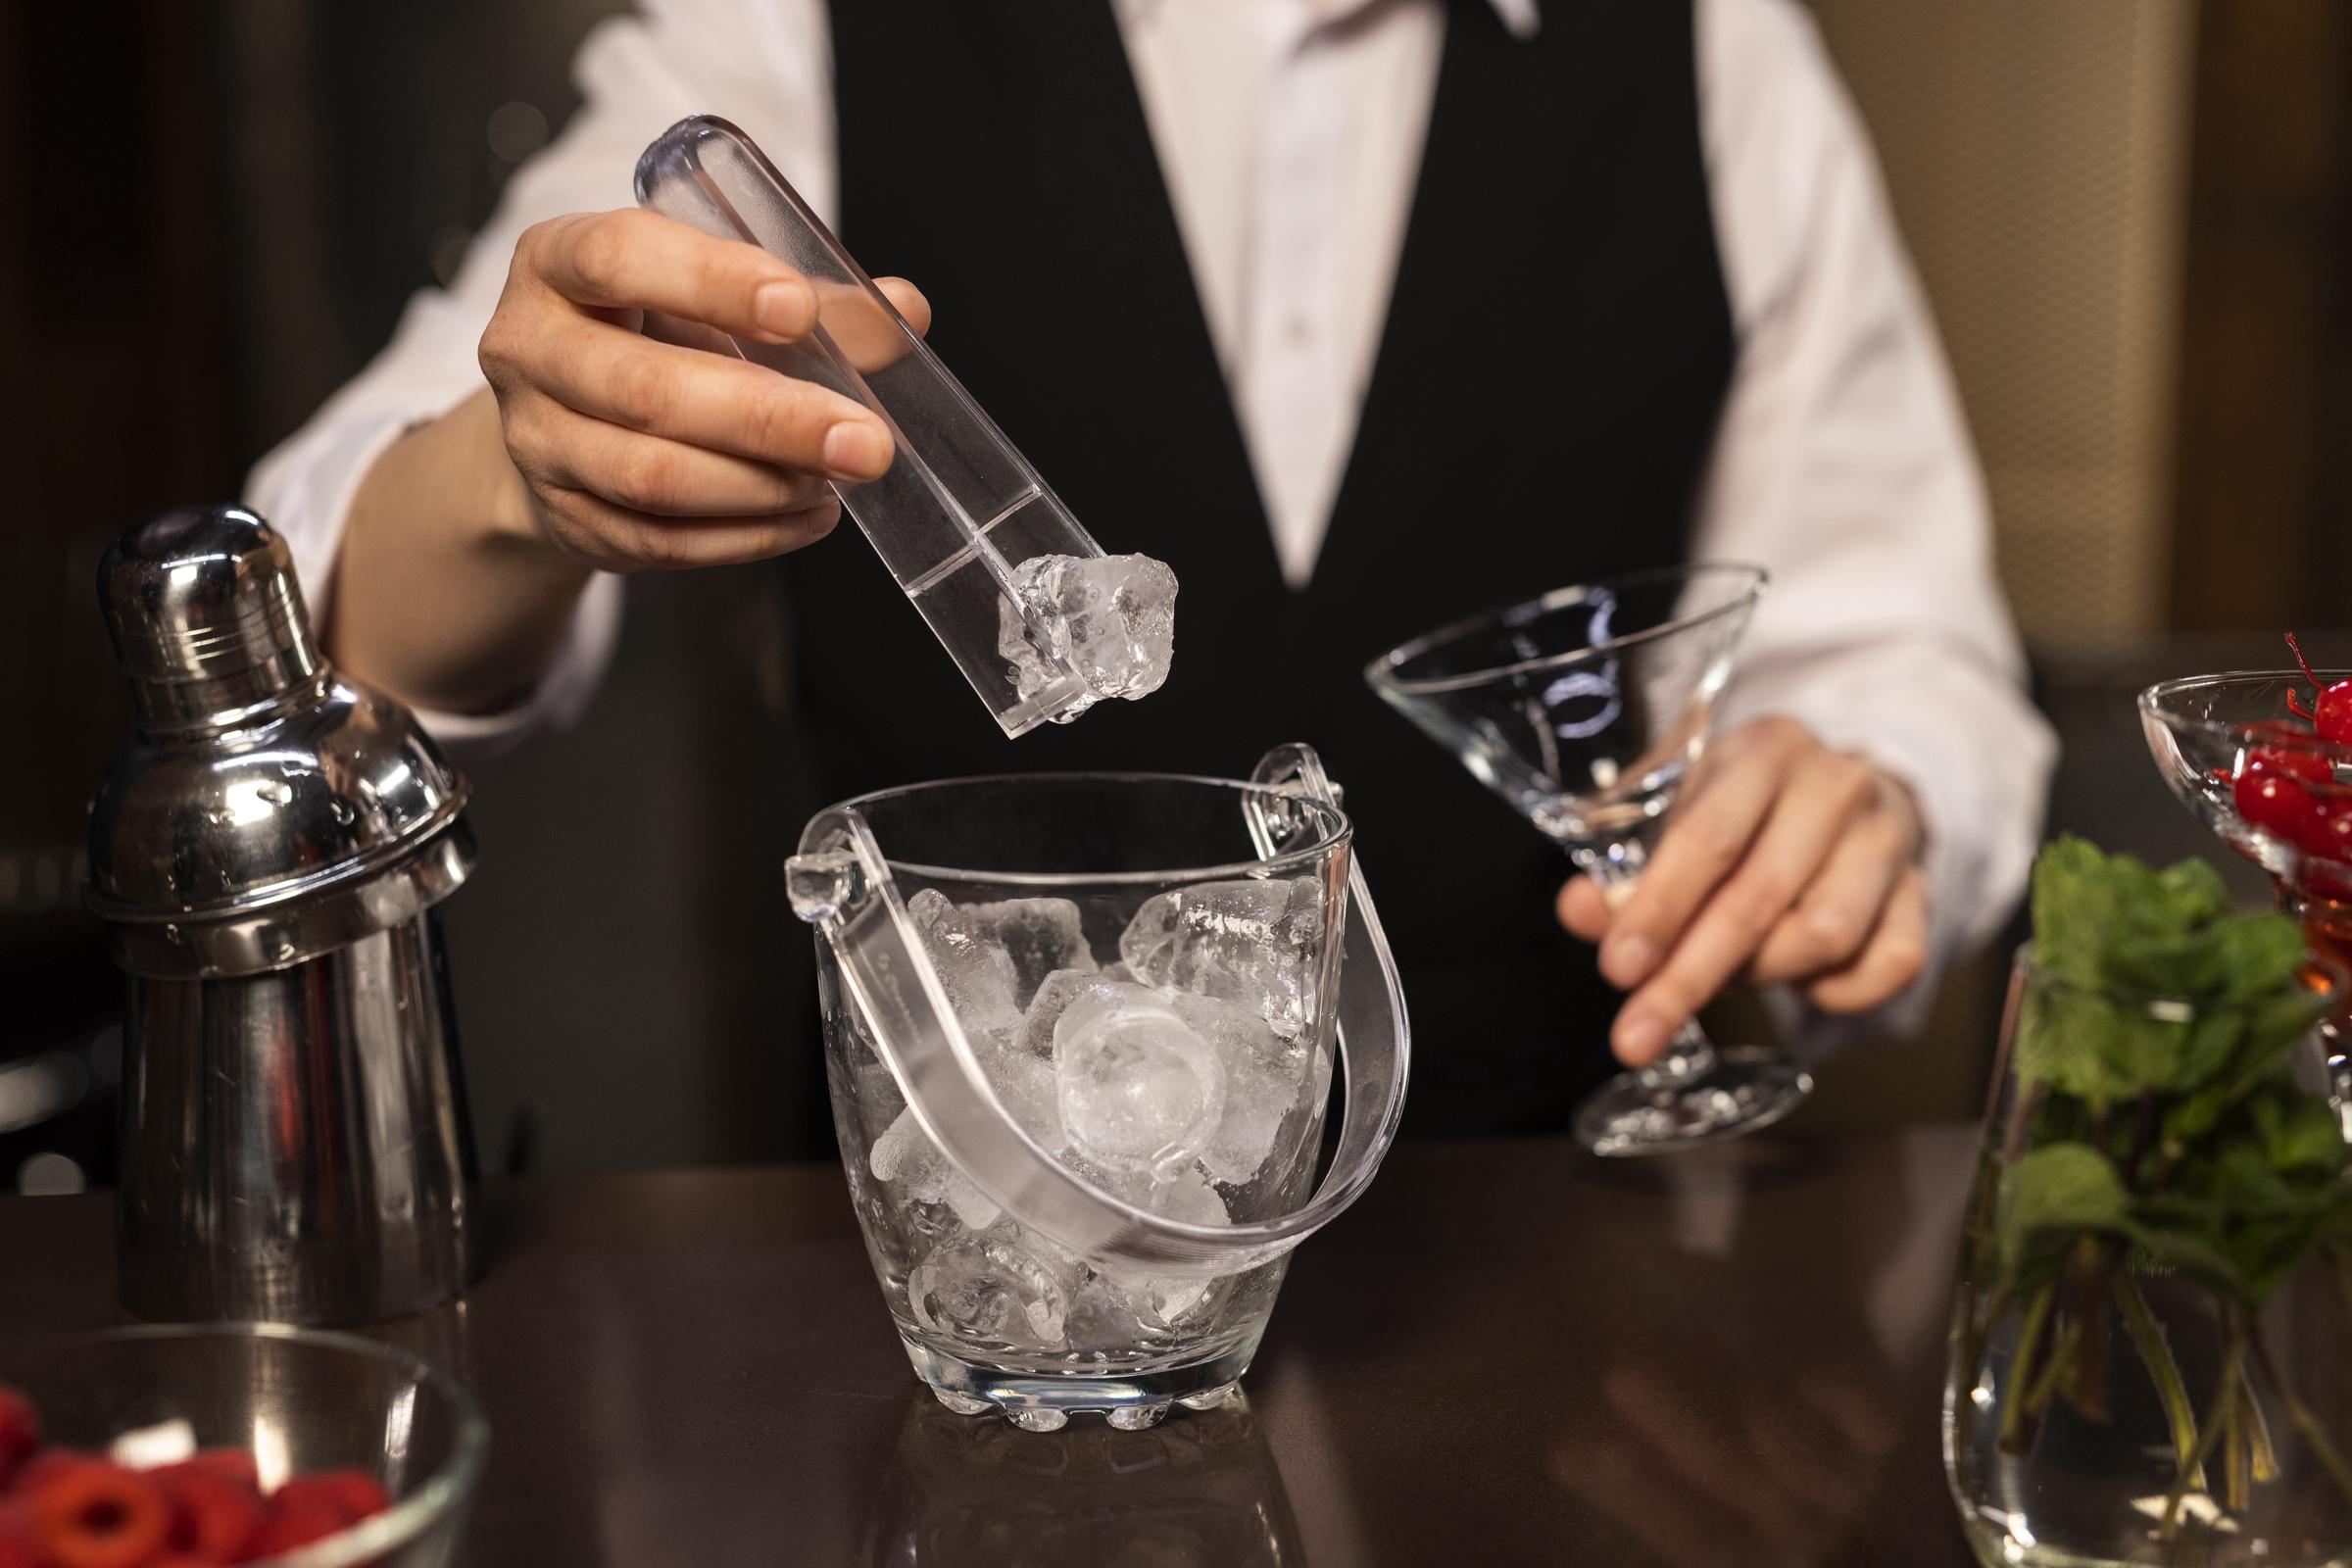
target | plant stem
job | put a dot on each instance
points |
(2156, 1354)
(2303, 1420)
(2225, 1394)
(2016, 1436)
(2237, 1484)
(2059, 1364)
(2258, 1431)
(2086, 1385)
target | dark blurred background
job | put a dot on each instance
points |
(2133, 219)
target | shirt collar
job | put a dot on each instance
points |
(1520, 17)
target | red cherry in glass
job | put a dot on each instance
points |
(2276, 802)
(2328, 833)
(2303, 764)
(2331, 715)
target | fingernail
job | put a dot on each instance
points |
(856, 451)
(1641, 1037)
(783, 307)
(1627, 959)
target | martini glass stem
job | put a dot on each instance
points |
(1614, 867)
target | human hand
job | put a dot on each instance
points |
(1785, 861)
(633, 445)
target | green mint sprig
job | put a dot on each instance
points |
(2157, 1129)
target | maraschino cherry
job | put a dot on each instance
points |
(2331, 715)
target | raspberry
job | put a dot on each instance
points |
(213, 1520)
(19, 1433)
(232, 1465)
(15, 1533)
(97, 1515)
(48, 1462)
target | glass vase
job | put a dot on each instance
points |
(2120, 1408)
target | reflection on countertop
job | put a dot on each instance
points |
(1202, 1490)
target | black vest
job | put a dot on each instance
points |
(1543, 397)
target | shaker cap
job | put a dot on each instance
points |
(206, 616)
(266, 809)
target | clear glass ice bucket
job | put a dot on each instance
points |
(1080, 1034)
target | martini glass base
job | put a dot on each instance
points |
(1748, 1087)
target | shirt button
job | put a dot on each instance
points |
(1299, 331)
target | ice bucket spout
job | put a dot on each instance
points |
(1080, 1032)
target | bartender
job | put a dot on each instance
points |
(1364, 315)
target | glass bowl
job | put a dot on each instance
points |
(296, 1399)
(2205, 730)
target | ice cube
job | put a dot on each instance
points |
(1256, 943)
(1263, 1073)
(1161, 1300)
(1138, 1090)
(1025, 1084)
(1054, 997)
(989, 1289)
(1039, 936)
(1111, 619)
(920, 1172)
(973, 966)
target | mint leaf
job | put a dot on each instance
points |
(2067, 1187)
(2298, 1132)
(2064, 1039)
(2262, 954)
(2178, 1247)
(2074, 909)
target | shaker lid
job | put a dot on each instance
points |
(206, 616)
(260, 790)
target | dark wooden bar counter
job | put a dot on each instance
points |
(1508, 1352)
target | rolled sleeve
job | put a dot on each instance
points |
(767, 68)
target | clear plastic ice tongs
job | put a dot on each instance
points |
(959, 508)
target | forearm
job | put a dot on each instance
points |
(445, 594)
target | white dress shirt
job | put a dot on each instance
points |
(1290, 132)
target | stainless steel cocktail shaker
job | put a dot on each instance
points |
(267, 852)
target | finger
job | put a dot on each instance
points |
(867, 336)
(905, 298)
(1583, 910)
(705, 400)
(1837, 915)
(1704, 840)
(687, 334)
(1893, 957)
(614, 538)
(910, 301)
(657, 476)
(1821, 795)
(636, 260)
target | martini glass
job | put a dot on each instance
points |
(2215, 739)
(1585, 709)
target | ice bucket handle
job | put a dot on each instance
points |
(841, 882)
